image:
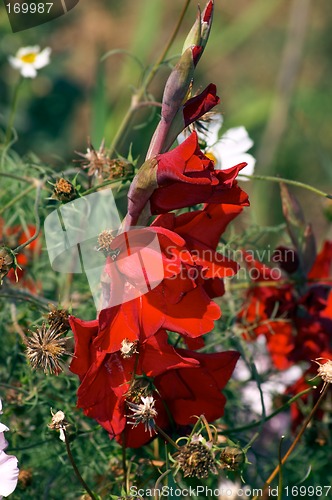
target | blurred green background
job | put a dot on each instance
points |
(271, 61)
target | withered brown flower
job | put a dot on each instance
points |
(45, 347)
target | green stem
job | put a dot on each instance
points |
(294, 443)
(137, 97)
(17, 177)
(259, 422)
(37, 220)
(26, 296)
(13, 111)
(287, 181)
(280, 468)
(77, 472)
(166, 436)
(106, 183)
(22, 194)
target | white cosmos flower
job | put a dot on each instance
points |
(228, 151)
(8, 465)
(29, 59)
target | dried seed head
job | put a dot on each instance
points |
(196, 459)
(58, 319)
(232, 458)
(324, 371)
(64, 190)
(105, 240)
(143, 413)
(7, 261)
(120, 167)
(140, 388)
(44, 349)
(128, 349)
(58, 420)
(96, 161)
(60, 423)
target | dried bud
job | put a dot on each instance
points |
(96, 161)
(120, 167)
(60, 423)
(58, 319)
(140, 388)
(144, 413)
(324, 371)
(105, 240)
(232, 458)
(7, 261)
(64, 190)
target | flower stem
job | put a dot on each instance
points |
(137, 97)
(288, 181)
(280, 468)
(166, 436)
(22, 194)
(17, 177)
(13, 111)
(259, 422)
(77, 472)
(293, 445)
(106, 183)
(37, 219)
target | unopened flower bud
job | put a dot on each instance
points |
(232, 458)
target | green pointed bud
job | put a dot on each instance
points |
(141, 189)
(194, 35)
(309, 250)
(300, 233)
(207, 17)
(293, 214)
(177, 85)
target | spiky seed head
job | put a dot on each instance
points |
(44, 349)
(143, 413)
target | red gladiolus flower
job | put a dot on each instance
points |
(179, 303)
(183, 383)
(201, 231)
(181, 178)
(197, 106)
(186, 177)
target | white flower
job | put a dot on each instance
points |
(228, 151)
(29, 59)
(8, 465)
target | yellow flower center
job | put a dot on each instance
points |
(211, 156)
(29, 58)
